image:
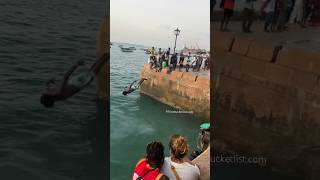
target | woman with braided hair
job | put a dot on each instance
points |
(149, 167)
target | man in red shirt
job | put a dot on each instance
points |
(228, 6)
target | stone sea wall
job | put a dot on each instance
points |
(266, 102)
(181, 90)
(203, 162)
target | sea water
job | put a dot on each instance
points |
(137, 119)
(40, 40)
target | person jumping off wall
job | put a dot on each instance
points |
(72, 84)
(133, 86)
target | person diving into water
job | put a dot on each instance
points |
(133, 86)
(71, 84)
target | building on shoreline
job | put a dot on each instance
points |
(192, 50)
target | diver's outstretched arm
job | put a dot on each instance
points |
(141, 81)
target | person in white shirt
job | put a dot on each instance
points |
(203, 63)
(178, 166)
(297, 12)
(194, 63)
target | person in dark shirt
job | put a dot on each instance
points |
(198, 63)
(173, 61)
(181, 60)
(163, 62)
(188, 62)
(167, 56)
(248, 16)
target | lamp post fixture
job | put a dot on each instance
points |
(176, 33)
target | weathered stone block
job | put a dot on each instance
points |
(298, 59)
(221, 40)
(278, 74)
(163, 74)
(252, 99)
(175, 75)
(203, 162)
(203, 82)
(235, 66)
(312, 110)
(304, 80)
(261, 50)
(253, 67)
(227, 63)
(188, 78)
(309, 128)
(227, 84)
(143, 70)
(241, 45)
(265, 102)
(315, 62)
(220, 62)
(164, 71)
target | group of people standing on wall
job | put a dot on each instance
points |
(164, 59)
(275, 13)
(177, 166)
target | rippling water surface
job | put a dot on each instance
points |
(40, 40)
(137, 119)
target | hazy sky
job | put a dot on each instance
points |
(152, 22)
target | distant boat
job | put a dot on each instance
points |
(123, 49)
(133, 48)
